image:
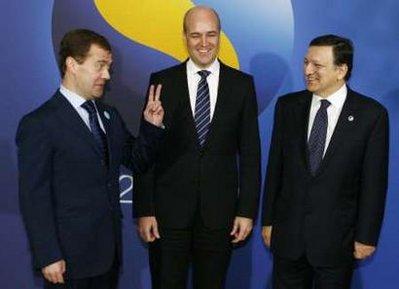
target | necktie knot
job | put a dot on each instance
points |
(204, 73)
(89, 107)
(324, 104)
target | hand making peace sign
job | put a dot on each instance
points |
(154, 112)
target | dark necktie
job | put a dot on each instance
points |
(97, 132)
(317, 139)
(202, 114)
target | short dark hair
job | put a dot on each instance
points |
(77, 43)
(189, 11)
(342, 50)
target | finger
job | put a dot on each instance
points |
(53, 277)
(235, 228)
(149, 234)
(159, 110)
(158, 92)
(238, 235)
(151, 94)
(47, 277)
(357, 255)
(154, 107)
(59, 277)
(63, 264)
(241, 234)
(266, 240)
(155, 231)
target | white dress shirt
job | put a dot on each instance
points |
(76, 101)
(193, 79)
(337, 100)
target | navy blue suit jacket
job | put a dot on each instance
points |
(69, 197)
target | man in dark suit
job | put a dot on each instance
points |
(327, 174)
(202, 193)
(69, 153)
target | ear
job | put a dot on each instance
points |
(342, 71)
(70, 64)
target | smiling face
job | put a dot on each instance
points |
(202, 36)
(88, 78)
(322, 76)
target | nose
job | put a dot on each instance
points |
(308, 68)
(106, 75)
(203, 40)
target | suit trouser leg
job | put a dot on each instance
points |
(292, 274)
(300, 274)
(211, 256)
(333, 277)
(169, 259)
(170, 256)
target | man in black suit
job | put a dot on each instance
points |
(69, 153)
(202, 194)
(327, 174)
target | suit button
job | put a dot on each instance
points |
(109, 185)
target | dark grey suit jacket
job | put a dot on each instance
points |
(323, 215)
(219, 180)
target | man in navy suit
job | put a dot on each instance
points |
(69, 153)
(327, 174)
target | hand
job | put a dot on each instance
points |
(54, 272)
(242, 227)
(267, 234)
(148, 229)
(363, 251)
(153, 112)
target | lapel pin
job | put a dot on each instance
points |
(106, 114)
(351, 118)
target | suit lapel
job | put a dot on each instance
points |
(222, 97)
(302, 120)
(71, 119)
(182, 91)
(341, 129)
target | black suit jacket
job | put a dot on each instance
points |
(69, 196)
(344, 201)
(220, 180)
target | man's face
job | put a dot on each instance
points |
(91, 75)
(202, 37)
(322, 76)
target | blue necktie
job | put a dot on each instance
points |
(317, 139)
(202, 114)
(98, 133)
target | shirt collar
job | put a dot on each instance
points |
(214, 68)
(336, 99)
(75, 99)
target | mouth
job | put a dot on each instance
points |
(204, 52)
(311, 81)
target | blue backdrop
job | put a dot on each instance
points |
(270, 38)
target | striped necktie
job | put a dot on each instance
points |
(202, 114)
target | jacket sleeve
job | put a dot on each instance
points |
(249, 155)
(374, 181)
(140, 153)
(143, 204)
(35, 191)
(274, 168)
